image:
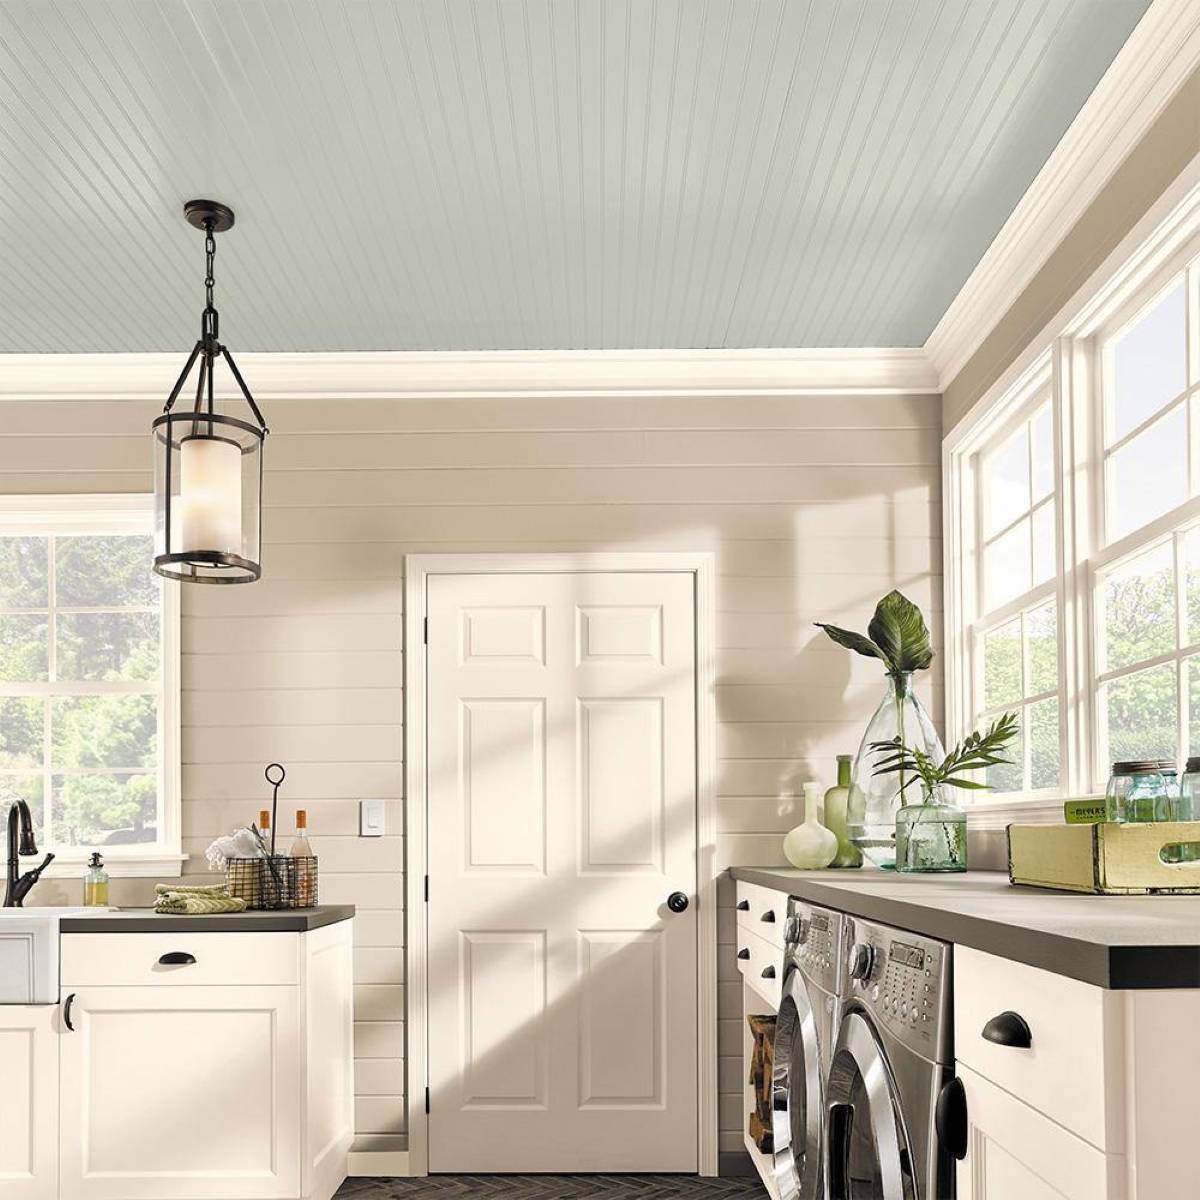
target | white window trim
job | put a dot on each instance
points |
(1065, 352)
(121, 514)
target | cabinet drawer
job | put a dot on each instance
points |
(761, 965)
(761, 911)
(1074, 1050)
(1013, 1152)
(135, 959)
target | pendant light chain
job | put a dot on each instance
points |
(209, 319)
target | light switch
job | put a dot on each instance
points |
(370, 818)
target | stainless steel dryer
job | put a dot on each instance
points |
(893, 1125)
(804, 1034)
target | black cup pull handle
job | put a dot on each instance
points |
(950, 1118)
(677, 902)
(743, 906)
(1009, 1029)
(67, 1011)
(768, 973)
(769, 916)
(177, 958)
(743, 953)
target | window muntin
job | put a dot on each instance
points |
(86, 675)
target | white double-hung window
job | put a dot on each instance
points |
(1073, 533)
(89, 680)
(1011, 644)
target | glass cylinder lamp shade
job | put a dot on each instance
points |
(207, 498)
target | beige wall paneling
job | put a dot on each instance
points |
(813, 506)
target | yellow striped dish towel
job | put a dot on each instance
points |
(178, 900)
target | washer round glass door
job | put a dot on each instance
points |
(867, 1155)
(796, 1095)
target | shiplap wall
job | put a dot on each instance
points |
(815, 506)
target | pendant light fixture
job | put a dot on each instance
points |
(208, 466)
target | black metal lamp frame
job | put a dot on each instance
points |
(174, 428)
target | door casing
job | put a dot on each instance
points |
(417, 570)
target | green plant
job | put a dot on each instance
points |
(974, 752)
(897, 635)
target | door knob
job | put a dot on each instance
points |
(677, 902)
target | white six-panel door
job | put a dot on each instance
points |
(562, 990)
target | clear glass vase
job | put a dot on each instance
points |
(931, 836)
(875, 799)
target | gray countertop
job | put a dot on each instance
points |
(146, 920)
(1109, 941)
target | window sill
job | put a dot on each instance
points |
(162, 865)
(1000, 814)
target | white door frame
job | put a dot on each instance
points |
(417, 570)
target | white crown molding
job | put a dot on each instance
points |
(423, 374)
(1161, 53)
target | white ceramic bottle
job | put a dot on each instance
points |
(810, 846)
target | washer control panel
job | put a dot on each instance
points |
(903, 980)
(814, 942)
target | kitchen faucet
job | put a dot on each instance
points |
(19, 885)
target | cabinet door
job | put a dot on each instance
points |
(182, 1092)
(28, 1102)
(1012, 1150)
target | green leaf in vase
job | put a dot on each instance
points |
(853, 641)
(899, 633)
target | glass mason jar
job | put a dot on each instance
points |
(874, 799)
(931, 836)
(1138, 791)
(1189, 792)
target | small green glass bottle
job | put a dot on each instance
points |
(837, 801)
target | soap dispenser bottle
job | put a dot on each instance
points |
(95, 883)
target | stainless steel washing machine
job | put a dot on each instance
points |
(804, 1033)
(894, 1119)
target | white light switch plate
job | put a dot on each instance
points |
(370, 818)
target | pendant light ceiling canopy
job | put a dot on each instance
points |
(208, 465)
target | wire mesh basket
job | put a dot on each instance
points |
(276, 881)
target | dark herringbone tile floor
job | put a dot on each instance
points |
(551, 1187)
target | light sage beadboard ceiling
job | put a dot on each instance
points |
(499, 174)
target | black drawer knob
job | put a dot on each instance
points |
(743, 953)
(768, 973)
(177, 958)
(677, 902)
(769, 916)
(1009, 1029)
(743, 906)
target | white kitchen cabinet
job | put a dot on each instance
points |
(1098, 1106)
(1013, 1150)
(182, 1091)
(178, 1082)
(28, 1102)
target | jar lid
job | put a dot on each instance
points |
(1141, 766)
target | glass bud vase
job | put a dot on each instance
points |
(931, 836)
(874, 799)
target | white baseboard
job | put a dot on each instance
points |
(379, 1163)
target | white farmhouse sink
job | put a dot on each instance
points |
(29, 953)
